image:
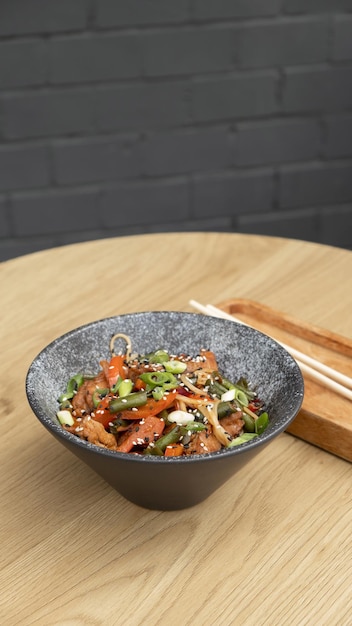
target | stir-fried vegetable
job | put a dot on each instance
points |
(161, 404)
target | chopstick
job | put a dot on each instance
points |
(327, 376)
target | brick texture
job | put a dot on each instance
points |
(233, 194)
(187, 151)
(122, 117)
(79, 161)
(18, 17)
(23, 167)
(23, 63)
(316, 6)
(142, 106)
(95, 58)
(278, 142)
(224, 9)
(136, 13)
(234, 97)
(342, 50)
(189, 51)
(283, 42)
(146, 203)
(47, 113)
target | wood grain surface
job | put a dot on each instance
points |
(272, 547)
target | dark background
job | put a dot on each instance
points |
(123, 117)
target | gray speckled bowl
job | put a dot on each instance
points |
(160, 482)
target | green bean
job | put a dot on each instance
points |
(160, 445)
(249, 423)
(215, 388)
(131, 401)
(224, 409)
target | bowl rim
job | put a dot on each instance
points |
(70, 438)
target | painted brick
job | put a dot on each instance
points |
(283, 42)
(142, 106)
(297, 224)
(45, 113)
(316, 6)
(223, 224)
(233, 193)
(188, 51)
(339, 136)
(224, 9)
(4, 220)
(342, 46)
(146, 203)
(316, 184)
(187, 151)
(324, 89)
(233, 97)
(134, 12)
(261, 143)
(23, 167)
(97, 159)
(15, 247)
(22, 63)
(54, 211)
(42, 16)
(95, 58)
(336, 226)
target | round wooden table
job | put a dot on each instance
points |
(272, 547)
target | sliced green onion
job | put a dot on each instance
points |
(160, 356)
(75, 383)
(175, 367)
(158, 393)
(261, 423)
(125, 387)
(65, 418)
(98, 395)
(242, 439)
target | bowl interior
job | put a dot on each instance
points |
(240, 351)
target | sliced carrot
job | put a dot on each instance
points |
(139, 384)
(114, 368)
(174, 449)
(141, 433)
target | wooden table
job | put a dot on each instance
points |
(271, 547)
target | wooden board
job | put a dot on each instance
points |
(325, 418)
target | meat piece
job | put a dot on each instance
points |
(94, 432)
(233, 424)
(202, 442)
(83, 399)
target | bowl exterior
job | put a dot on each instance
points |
(158, 482)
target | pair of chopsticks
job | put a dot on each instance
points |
(327, 376)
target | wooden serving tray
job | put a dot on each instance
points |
(325, 419)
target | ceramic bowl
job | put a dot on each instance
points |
(160, 482)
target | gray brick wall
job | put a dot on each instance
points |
(121, 118)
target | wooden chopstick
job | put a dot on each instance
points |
(327, 376)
